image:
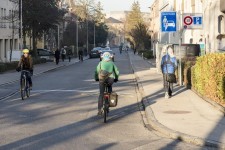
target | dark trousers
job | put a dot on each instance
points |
(168, 87)
(102, 86)
(63, 57)
(28, 75)
(57, 61)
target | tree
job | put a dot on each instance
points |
(133, 18)
(38, 17)
(140, 37)
(90, 18)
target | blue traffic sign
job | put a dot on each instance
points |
(168, 21)
(197, 20)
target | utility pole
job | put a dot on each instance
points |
(21, 24)
(87, 25)
(77, 39)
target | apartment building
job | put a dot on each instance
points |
(212, 35)
(9, 32)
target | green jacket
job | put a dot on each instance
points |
(107, 66)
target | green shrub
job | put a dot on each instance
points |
(187, 64)
(12, 65)
(208, 76)
(146, 53)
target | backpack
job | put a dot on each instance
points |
(103, 74)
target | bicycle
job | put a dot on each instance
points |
(106, 99)
(24, 84)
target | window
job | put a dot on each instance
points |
(4, 18)
(221, 24)
(2, 14)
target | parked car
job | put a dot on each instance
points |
(107, 50)
(95, 52)
(44, 53)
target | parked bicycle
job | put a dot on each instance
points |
(24, 84)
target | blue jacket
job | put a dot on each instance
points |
(168, 64)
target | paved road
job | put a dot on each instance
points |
(61, 114)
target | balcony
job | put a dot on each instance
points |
(222, 6)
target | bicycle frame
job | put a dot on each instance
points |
(106, 102)
(25, 87)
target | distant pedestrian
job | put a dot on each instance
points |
(135, 51)
(57, 56)
(80, 53)
(168, 66)
(63, 54)
(69, 54)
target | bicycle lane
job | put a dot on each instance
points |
(9, 78)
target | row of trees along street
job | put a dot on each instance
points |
(90, 22)
(41, 17)
(136, 29)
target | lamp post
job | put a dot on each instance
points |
(94, 33)
(21, 25)
(77, 38)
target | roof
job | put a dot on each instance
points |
(112, 20)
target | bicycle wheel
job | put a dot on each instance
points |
(22, 89)
(27, 90)
(105, 110)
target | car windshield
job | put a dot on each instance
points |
(107, 51)
(96, 48)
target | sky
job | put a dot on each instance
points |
(121, 5)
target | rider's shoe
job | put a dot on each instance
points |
(99, 112)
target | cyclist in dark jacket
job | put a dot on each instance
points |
(107, 65)
(26, 63)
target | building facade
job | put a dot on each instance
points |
(9, 30)
(212, 35)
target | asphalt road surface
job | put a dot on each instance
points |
(61, 114)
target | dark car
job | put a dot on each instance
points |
(107, 50)
(95, 52)
(44, 53)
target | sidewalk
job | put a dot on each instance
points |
(184, 116)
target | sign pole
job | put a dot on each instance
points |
(180, 38)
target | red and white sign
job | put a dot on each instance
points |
(192, 21)
(188, 20)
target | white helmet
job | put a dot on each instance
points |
(106, 56)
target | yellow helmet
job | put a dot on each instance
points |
(25, 51)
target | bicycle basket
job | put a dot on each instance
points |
(113, 99)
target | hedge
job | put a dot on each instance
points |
(208, 77)
(146, 53)
(12, 65)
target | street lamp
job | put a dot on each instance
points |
(21, 25)
(94, 33)
(77, 38)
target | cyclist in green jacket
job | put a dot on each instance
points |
(106, 73)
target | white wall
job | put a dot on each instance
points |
(6, 31)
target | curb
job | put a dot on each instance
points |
(211, 102)
(153, 122)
